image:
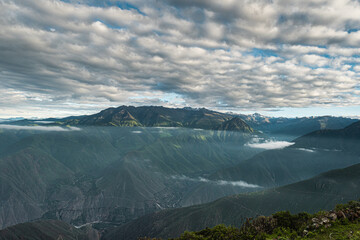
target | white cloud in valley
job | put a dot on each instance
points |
(268, 145)
(72, 57)
(242, 184)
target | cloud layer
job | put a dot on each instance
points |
(39, 128)
(75, 56)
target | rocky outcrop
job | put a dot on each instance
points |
(313, 223)
(350, 212)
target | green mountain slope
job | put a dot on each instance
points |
(319, 193)
(235, 124)
(153, 116)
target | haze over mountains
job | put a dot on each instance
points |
(177, 146)
(320, 192)
(106, 173)
(113, 167)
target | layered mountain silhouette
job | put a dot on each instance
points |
(128, 162)
(295, 126)
(157, 116)
(322, 192)
(108, 174)
(312, 154)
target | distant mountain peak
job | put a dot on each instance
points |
(236, 124)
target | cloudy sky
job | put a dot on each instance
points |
(277, 57)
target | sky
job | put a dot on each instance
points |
(275, 57)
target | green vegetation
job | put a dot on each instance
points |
(220, 232)
(342, 223)
(235, 124)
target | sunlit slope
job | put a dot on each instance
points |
(154, 116)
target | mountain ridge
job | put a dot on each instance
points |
(159, 116)
(319, 193)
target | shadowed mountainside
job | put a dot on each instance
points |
(310, 155)
(108, 174)
(295, 126)
(319, 193)
(48, 229)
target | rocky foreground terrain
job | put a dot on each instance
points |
(340, 223)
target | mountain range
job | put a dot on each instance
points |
(317, 193)
(157, 116)
(295, 126)
(107, 174)
(310, 155)
(155, 171)
(162, 117)
(322, 192)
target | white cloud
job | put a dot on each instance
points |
(217, 182)
(237, 54)
(270, 145)
(315, 60)
(306, 150)
(137, 132)
(357, 69)
(39, 128)
(237, 184)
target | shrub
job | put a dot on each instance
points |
(294, 222)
